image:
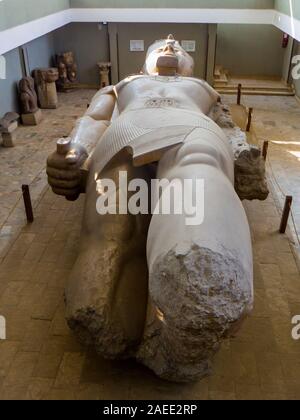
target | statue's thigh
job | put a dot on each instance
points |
(107, 292)
(117, 227)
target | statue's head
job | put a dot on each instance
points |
(68, 58)
(49, 75)
(167, 58)
(26, 84)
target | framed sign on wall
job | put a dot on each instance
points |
(137, 45)
(189, 45)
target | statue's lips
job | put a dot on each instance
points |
(169, 61)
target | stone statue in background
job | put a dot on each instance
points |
(151, 286)
(28, 96)
(8, 126)
(67, 69)
(104, 69)
(31, 114)
(46, 88)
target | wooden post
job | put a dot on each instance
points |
(286, 214)
(239, 94)
(27, 203)
(249, 119)
(265, 150)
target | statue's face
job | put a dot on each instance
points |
(51, 75)
(68, 58)
(169, 48)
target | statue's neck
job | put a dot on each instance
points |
(167, 71)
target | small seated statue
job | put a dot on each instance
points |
(31, 114)
(67, 69)
(45, 82)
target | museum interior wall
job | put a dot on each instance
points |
(149, 32)
(38, 53)
(238, 4)
(288, 7)
(242, 49)
(241, 55)
(89, 41)
(8, 87)
(17, 12)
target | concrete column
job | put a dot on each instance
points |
(113, 48)
(211, 52)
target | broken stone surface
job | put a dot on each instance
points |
(204, 295)
(249, 165)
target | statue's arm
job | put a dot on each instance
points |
(67, 167)
(90, 128)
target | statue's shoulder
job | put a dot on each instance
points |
(108, 90)
(200, 82)
(129, 80)
(204, 85)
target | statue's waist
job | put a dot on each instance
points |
(149, 128)
(148, 118)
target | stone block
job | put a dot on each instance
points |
(32, 119)
(8, 139)
(11, 128)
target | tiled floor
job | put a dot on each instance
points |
(25, 163)
(42, 360)
(277, 120)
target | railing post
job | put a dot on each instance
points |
(249, 119)
(286, 214)
(27, 203)
(239, 94)
(265, 150)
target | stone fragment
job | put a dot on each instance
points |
(8, 139)
(249, 165)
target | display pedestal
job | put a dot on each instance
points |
(32, 119)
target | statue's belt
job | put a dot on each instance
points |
(147, 136)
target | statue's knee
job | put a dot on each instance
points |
(196, 152)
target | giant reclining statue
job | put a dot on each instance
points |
(151, 286)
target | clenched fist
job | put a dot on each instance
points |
(63, 169)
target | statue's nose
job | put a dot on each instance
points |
(169, 50)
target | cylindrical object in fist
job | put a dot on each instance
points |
(63, 145)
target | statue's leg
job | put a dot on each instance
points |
(200, 277)
(107, 292)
